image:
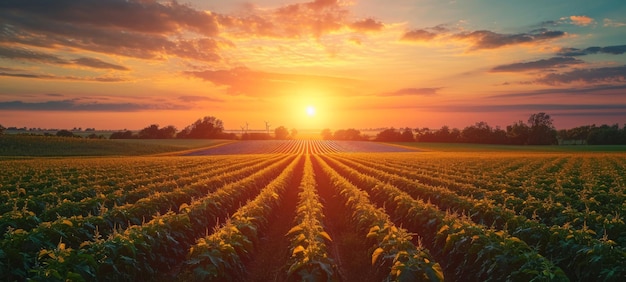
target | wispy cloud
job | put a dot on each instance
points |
(613, 23)
(30, 55)
(315, 18)
(192, 98)
(141, 29)
(367, 25)
(574, 52)
(98, 64)
(587, 76)
(482, 39)
(76, 105)
(57, 77)
(555, 62)
(581, 20)
(595, 91)
(413, 92)
(531, 108)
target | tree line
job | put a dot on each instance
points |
(208, 127)
(538, 130)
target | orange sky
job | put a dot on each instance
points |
(362, 64)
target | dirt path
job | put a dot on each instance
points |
(270, 258)
(349, 249)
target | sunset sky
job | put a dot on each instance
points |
(113, 64)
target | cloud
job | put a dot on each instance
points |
(418, 35)
(367, 25)
(56, 77)
(134, 15)
(192, 98)
(413, 92)
(315, 19)
(589, 76)
(29, 55)
(530, 108)
(574, 52)
(140, 29)
(555, 62)
(581, 20)
(96, 63)
(244, 81)
(612, 23)
(75, 105)
(482, 39)
(600, 90)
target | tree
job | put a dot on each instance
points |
(150, 132)
(2, 128)
(407, 135)
(389, 135)
(207, 127)
(281, 133)
(477, 133)
(122, 135)
(294, 133)
(327, 134)
(348, 134)
(542, 131)
(167, 132)
(65, 133)
(518, 133)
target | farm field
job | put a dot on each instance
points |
(318, 211)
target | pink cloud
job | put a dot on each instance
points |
(581, 20)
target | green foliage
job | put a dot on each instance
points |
(309, 260)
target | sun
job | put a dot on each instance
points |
(310, 111)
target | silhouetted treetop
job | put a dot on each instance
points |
(207, 127)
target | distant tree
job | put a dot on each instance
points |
(327, 134)
(2, 129)
(95, 136)
(542, 131)
(348, 134)
(122, 135)
(167, 132)
(207, 127)
(407, 135)
(150, 132)
(605, 135)
(281, 133)
(477, 133)
(294, 133)
(65, 133)
(498, 136)
(389, 135)
(518, 133)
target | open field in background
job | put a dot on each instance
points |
(43, 146)
(466, 147)
(348, 211)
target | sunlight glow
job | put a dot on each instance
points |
(310, 111)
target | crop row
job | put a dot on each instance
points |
(220, 256)
(474, 252)
(576, 250)
(128, 252)
(550, 201)
(394, 250)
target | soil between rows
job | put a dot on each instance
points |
(269, 261)
(349, 248)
